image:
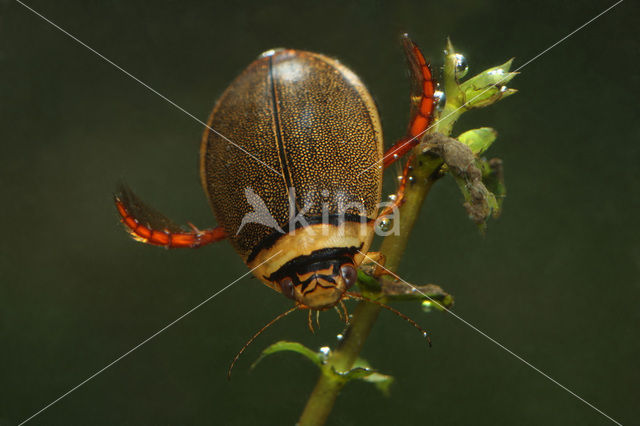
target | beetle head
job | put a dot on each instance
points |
(319, 285)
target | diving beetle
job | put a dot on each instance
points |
(299, 134)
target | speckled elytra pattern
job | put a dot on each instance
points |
(308, 117)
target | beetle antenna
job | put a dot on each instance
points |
(389, 308)
(250, 341)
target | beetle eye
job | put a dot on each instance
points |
(286, 284)
(349, 274)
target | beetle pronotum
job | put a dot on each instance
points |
(312, 119)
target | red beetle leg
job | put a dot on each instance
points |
(399, 195)
(422, 102)
(164, 237)
(398, 150)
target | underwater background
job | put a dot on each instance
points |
(555, 279)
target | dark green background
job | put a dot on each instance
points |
(556, 278)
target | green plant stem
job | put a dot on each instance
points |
(328, 387)
(393, 246)
(326, 391)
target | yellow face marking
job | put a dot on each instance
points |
(306, 240)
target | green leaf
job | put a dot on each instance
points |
(354, 373)
(381, 381)
(489, 86)
(492, 76)
(478, 140)
(362, 371)
(316, 357)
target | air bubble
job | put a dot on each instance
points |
(440, 99)
(270, 52)
(461, 65)
(384, 225)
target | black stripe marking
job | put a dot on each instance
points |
(276, 117)
(307, 263)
